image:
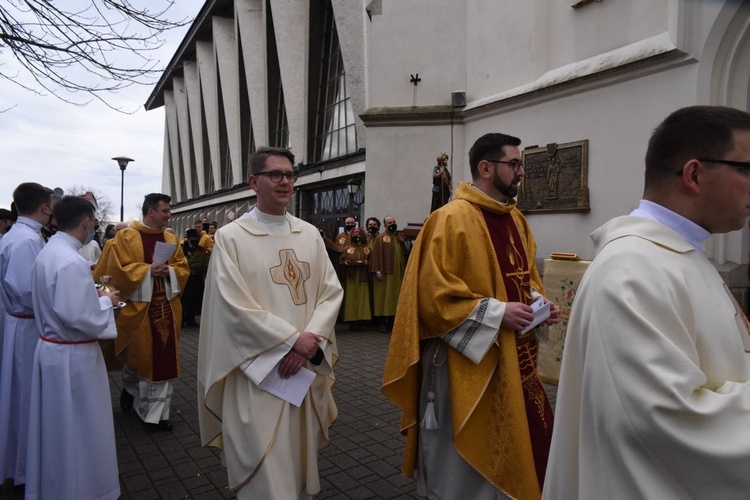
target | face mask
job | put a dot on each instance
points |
(372, 230)
(356, 239)
(349, 228)
(392, 228)
(89, 238)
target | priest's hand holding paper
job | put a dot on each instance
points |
(291, 364)
(306, 344)
(521, 317)
(517, 316)
(554, 313)
(159, 270)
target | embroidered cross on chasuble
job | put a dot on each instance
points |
(511, 256)
(293, 273)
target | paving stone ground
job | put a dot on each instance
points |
(363, 460)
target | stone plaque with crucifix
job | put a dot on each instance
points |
(556, 178)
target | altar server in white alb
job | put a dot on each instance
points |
(654, 396)
(18, 249)
(271, 299)
(71, 447)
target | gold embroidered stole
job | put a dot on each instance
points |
(516, 277)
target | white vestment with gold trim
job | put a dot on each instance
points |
(269, 278)
(654, 396)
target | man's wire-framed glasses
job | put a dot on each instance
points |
(276, 175)
(741, 165)
(516, 165)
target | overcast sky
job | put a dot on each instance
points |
(45, 140)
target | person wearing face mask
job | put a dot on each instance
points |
(91, 251)
(387, 267)
(18, 250)
(343, 240)
(354, 260)
(69, 385)
(334, 248)
(373, 230)
(197, 258)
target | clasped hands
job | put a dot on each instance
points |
(303, 349)
(159, 270)
(519, 315)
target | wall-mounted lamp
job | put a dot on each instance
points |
(354, 186)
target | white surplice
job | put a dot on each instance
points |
(91, 251)
(269, 278)
(654, 395)
(71, 447)
(18, 250)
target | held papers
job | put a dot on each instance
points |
(163, 251)
(292, 389)
(541, 313)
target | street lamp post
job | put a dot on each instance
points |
(122, 161)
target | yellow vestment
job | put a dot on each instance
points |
(123, 259)
(452, 267)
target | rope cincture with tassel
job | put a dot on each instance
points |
(429, 421)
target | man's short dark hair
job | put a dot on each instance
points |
(152, 200)
(691, 133)
(71, 210)
(257, 160)
(367, 222)
(29, 196)
(197, 221)
(489, 147)
(6, 214)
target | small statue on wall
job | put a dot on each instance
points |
(442, 184)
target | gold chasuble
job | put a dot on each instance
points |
(148, 327)
(453, 266)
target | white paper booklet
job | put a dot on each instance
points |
(292, 389)
(163, 251)
(541, 313)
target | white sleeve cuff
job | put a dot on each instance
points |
(475, 335)
(258, 367)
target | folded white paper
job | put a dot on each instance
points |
(163, 251)
(541, 313)
(292, 389)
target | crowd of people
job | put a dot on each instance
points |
(371, 268)
(654, 391)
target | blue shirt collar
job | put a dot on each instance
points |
(692, 232)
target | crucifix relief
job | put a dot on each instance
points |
(415, 80)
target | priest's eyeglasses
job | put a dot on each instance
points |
(516, 165)
(744, 166)
(276, 176)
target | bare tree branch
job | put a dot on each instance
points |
(105, 210)
(85, 54)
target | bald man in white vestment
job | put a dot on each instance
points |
(654, 396)
(270, 306)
